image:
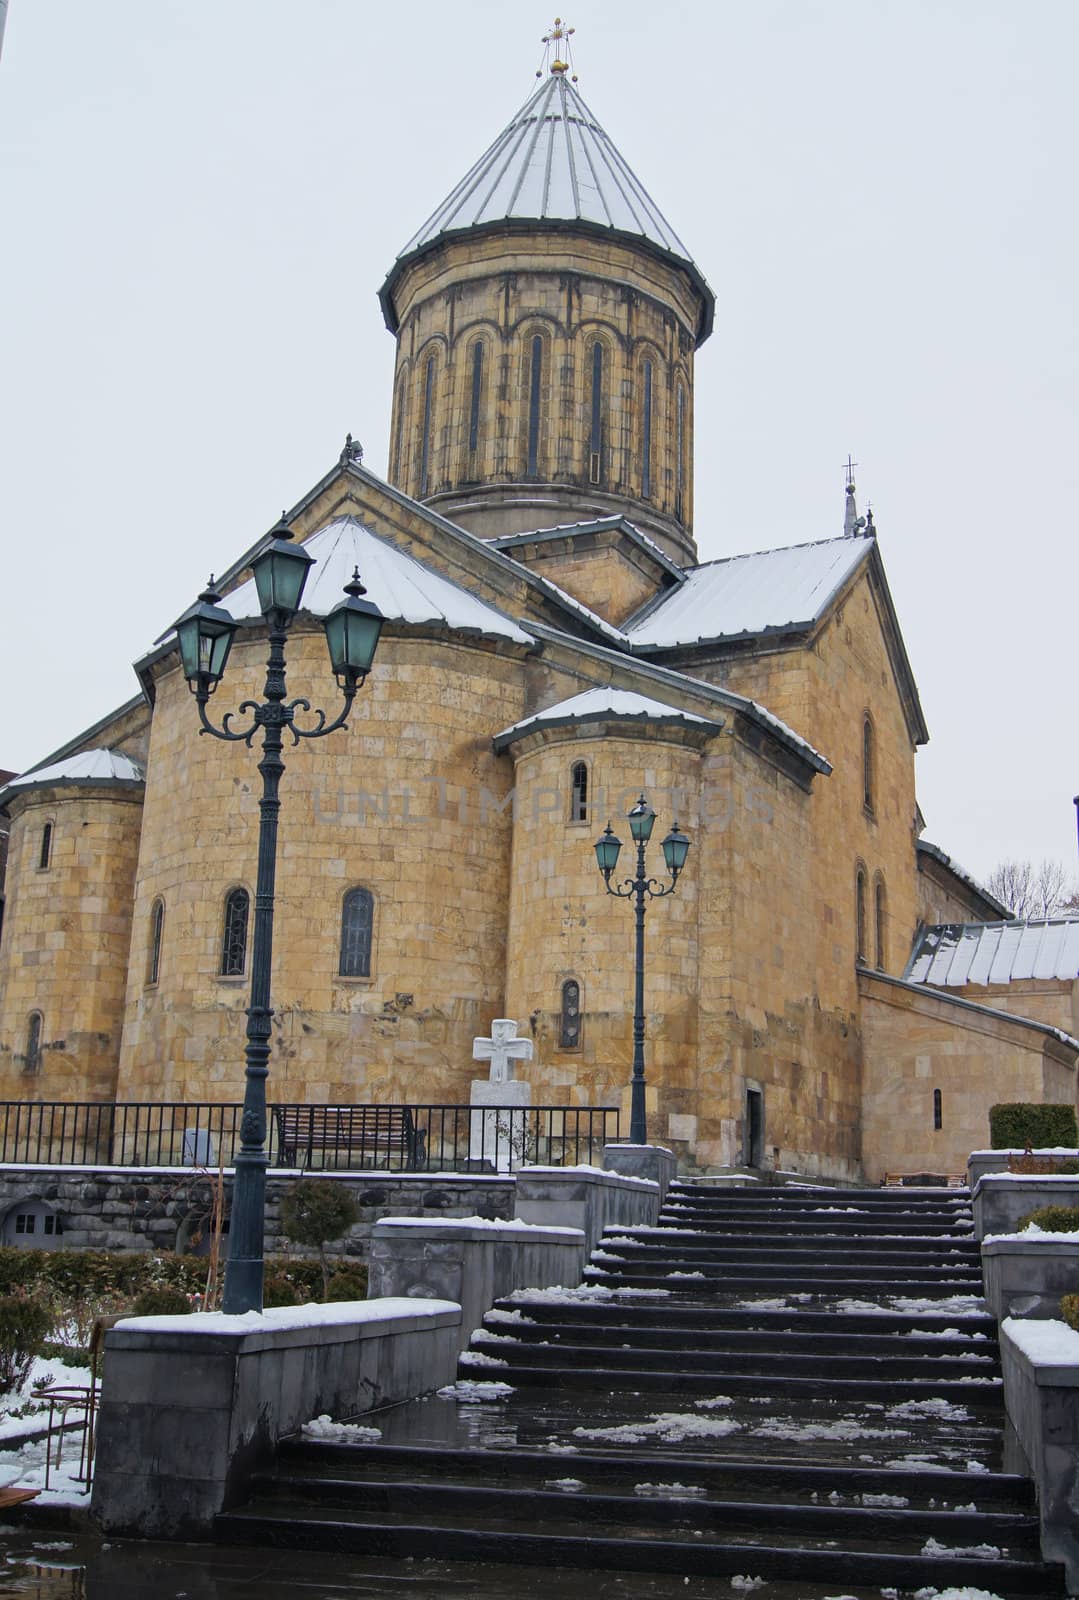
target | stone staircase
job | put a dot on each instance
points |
(798, 1386)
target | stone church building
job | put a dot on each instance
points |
(552, 648)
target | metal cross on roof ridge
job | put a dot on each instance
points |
(555, 37)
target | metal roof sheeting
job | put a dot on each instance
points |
(92, 766)
(950, 955)
(770, 592)
(552, 163)
(600, 704)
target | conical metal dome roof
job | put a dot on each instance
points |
(553, 165)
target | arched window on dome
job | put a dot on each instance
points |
(595, 431)
(399, 427)
(646, 430)
(44, 858)
(428, 422)
(357, 922)
(880, 918)
(860, 914)
(157, 928)
(535, 403)
(569, 1027)
(234, 933)
(32, 1059)
(680, 448)
(869, 763)
(578, 790)
(475, 406)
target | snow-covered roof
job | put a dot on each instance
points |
(773, 591)
(949, 955)
(563, 530)
(950, 864)
(402, 587)
(92, 766)
(606, 704)
(554, 163)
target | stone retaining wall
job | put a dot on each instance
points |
(158, 1208)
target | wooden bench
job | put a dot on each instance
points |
(367, 1131)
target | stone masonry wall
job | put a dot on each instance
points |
(153, 1208)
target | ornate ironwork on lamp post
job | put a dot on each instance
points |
(205, 634)
(640, 888)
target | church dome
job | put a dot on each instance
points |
(554, 163)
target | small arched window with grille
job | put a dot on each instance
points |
(880, 917)
(32, 1061)
(234, 933)
(860, 908)
(476, 400)
(578, 780)
(869, 762)
(157, 928)
(357, 920)
(569, 1031)
(45, 853)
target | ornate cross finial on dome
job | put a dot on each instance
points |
(556, 44)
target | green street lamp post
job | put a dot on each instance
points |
(205, 633)
(640, 888)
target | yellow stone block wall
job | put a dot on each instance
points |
(563, 924)
(599, 575)
(409, 802)
(504, 289)
(66, 938)
(1054, 1001)
(918, 1041)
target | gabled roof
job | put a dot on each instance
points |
(606, 705)
(772, 591)
(570, 530)
(403, 588)
(950, 955)
(91, 767)
(933, 852)
(553, 164)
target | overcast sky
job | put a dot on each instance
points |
(198, 203)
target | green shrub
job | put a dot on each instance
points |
(314, 1211)
(279, 1290)
(1024, 1125)
(1069, 1310)
(161, 1300)
(1052, 1219)
(25, 1324)
(347, 1283)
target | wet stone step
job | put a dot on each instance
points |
(563, 1545)
(654, 1505)
(779, 1254)
(981, 1355)
(765, 1482)
(814, 1313)
(886, 1367)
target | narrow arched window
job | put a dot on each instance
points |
(868, 764)
(535, 396)
(157, 928)
(680, 446)
(860, 913)
(477, 397)
(357, 916)
(399, 430)
(569, 1032)
(595, 436)
(578, 805)
(646, 433)
(234, 933)
(33, 1042)
(938, 1110)
(45, 853)
(428, 407)
(880, 912)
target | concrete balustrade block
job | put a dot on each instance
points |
(587, 1198)
(1002, 1199)
(1040, 1364)
(1026, 1274)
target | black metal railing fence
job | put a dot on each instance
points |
(409, 1138)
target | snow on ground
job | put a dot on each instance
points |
(943, 1410)
(845, 1428)
(983, 1552)
(559, 1296)
(468, 1389)
(476, 1358)
(324, 1427)
(570, 1485)
(671, 1427)
(22, 1465)
(495, 1315)
(672, 1491)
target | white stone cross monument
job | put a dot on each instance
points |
(501, 1140)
